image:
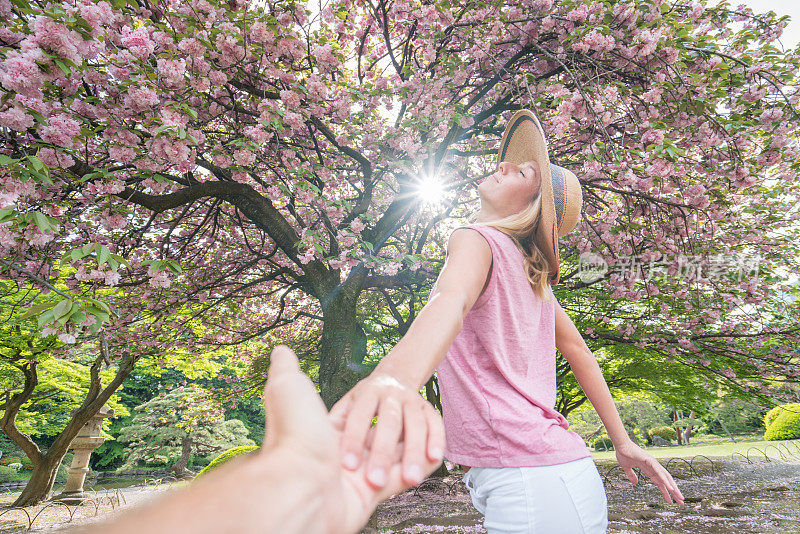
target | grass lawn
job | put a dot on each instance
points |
(719, 447)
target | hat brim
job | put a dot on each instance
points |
(524, 140)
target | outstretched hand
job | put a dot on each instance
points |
(630, 455)
(300, 430)
(403, 417)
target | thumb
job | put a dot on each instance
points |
(631, 475)
(291, 401)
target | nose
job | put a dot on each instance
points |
(506, 166)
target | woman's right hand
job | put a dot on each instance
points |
(403, 417)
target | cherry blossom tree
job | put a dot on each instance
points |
(243, 167)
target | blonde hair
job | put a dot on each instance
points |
(521, 227)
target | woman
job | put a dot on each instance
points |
(490, 329)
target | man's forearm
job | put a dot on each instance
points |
(413, 360)
(590, 377)
(233, 499)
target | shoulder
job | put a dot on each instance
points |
(468, 240)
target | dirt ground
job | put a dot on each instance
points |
(722, 496)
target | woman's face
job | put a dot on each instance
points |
(509, 190)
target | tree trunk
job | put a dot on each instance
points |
(433, 394)
(688, 432)
(40, 485)
(342, 348)
(186, 451)
(677, 416)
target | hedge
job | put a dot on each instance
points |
(666, 432)
(785, 426)
(603, 443)
(227, 455)
(773, 413)
(7, 474)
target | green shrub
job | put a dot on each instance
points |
(227, 455)
(16, 466)
(666, 432)
(26, 463)
(200, 461)
(7, 474)
(773, 413)
(603, 443)
(7, 460)
(785, 426)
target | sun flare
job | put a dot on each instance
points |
(430, 190)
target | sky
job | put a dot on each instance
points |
(791, 33)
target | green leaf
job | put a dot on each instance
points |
(63, 67)
(120, 259)
(102, 256)
(36, 310)
(62, 308)
(5, 160)
(37, 163)
(45, 318)
(41, 221)
(6, 214)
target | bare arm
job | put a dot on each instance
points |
(415, 357)
(392, 390)
(586, 370)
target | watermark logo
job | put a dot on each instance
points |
(593, 267)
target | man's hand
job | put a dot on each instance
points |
(300, 431)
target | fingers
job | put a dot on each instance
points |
(664, 481)
(668, 486)
(387, 435)
(415, 437)
(435, 447)
(339, 411)
(291, 401)
(359, 420)
(631, 475)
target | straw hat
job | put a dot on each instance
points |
(524, 140)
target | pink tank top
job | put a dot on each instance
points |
(498, 380)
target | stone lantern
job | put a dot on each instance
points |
(87, 440)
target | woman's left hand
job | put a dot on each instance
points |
(630, 455)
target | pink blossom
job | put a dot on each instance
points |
(138, 42)
(261, 33)
(16, 118)
(19, 72)
(192, 47)
(55, 36)
(317, 90)
(111, 278)
(326, 61)
(173, 151)
(122, 154)
(290, 99)
(61, 129)
(308, 256)
(141, 98)
(244, 157)
(55, 159)
(294, 120)
(218, 78)
(578, 14)
(257, 134)
(172, 71)
(356, 225)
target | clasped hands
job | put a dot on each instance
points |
(354, 475)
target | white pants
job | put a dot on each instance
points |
(566, 498)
